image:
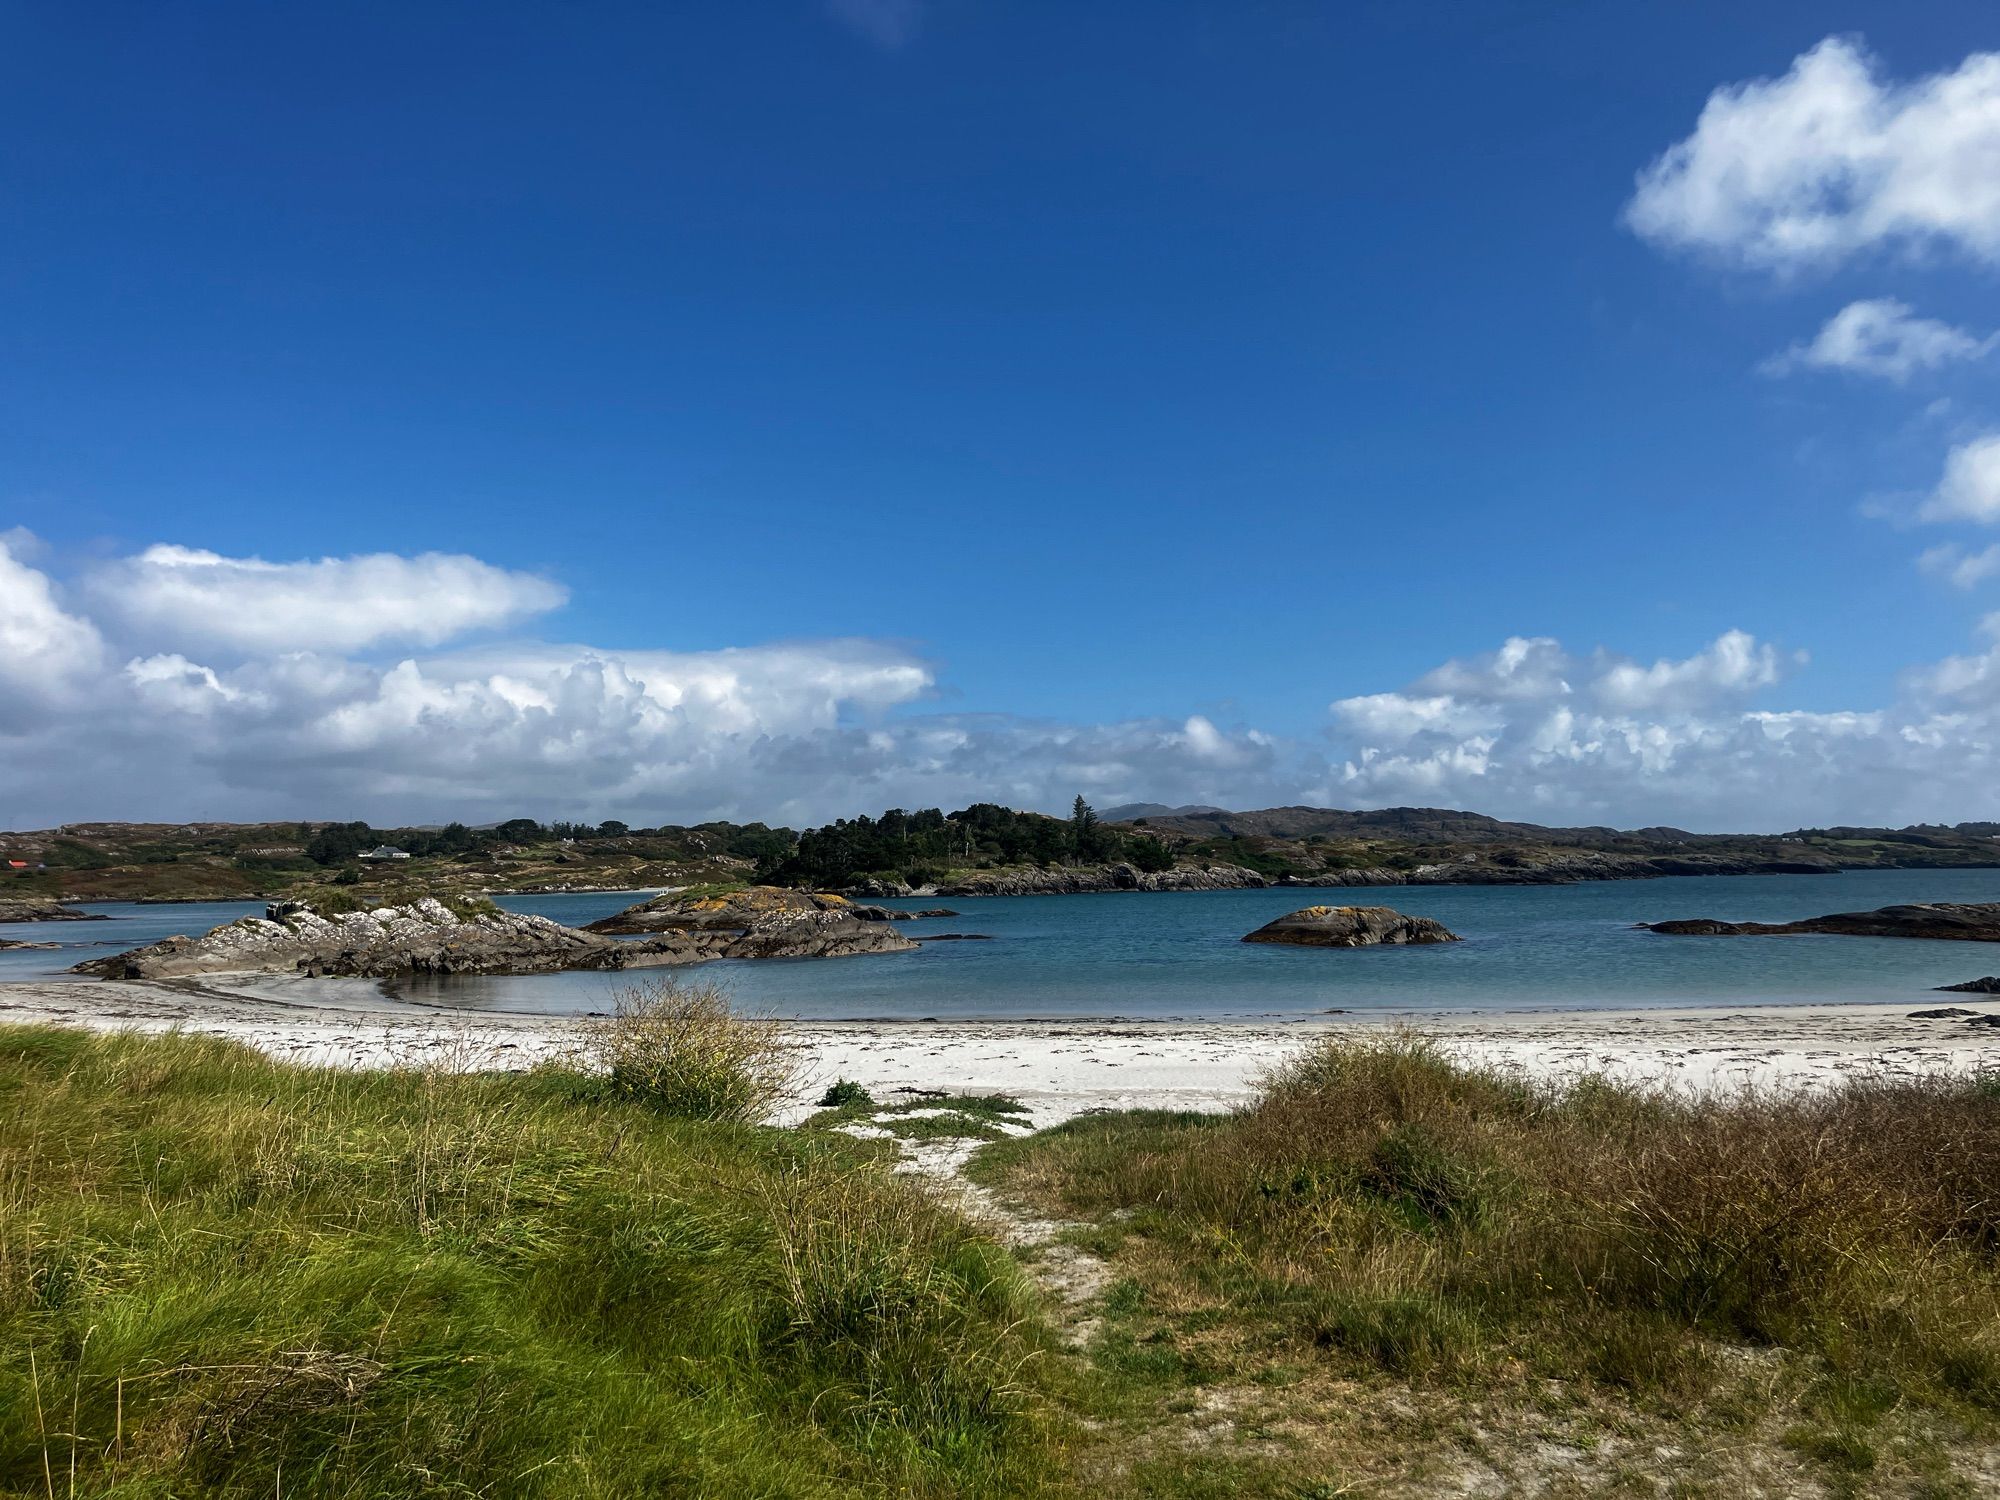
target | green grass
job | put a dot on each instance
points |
(221, 1275)
(928, 1117)
(339, 900)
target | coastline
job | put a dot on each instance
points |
(1060, 1069)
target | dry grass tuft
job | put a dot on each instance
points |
(680, 1049)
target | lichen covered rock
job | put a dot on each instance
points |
(1350, 927)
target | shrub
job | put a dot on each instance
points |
(1410, 1212)
(843, 1093)
(679, 1049)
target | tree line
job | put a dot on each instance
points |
(918, 847)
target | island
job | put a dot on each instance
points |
(430, 936)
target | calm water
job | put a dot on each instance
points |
(1566, 947)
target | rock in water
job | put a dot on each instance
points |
(1350, 927)
(39, 909)
(1990, 985)
(1975, 923)
(763, 921)
(424, 937)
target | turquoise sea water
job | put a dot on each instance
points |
(1181, 955)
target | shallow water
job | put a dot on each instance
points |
(1181, 956)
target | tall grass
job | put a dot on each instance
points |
(680, 1049)
(221, 1275)
(1408, 1214)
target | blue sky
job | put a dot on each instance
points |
(1000, 389)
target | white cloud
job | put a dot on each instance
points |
(1881, 337)
(1959, 567)
(1969, 489)
(185, 597)
(803, 731)
(1674, 743)
(1831, 161)
(1524, 667)
(45, 652)
(1732, 665)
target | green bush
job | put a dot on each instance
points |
(843, 1093)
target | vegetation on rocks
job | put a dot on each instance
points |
(918, 848)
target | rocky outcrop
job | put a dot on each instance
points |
(6, 943)
(1975, 923)
(424, 937)
(1096, 879)
(1350, 927)
(763, 921)
(39, 909)
(1990, 985)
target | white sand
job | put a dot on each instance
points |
(1061, 1069)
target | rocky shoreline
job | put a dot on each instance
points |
(1560, 868)
(40, 909)
(432, 937)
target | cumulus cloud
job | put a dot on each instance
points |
(45, 653)
(1960, 567)
(183, 596)
(807, 730)
(1679, 741)
(1884, 338)
(1830, 161)
(1969, 489)
(1733, 665)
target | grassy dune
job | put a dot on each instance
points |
(1394, 1265)
(220, 1275)
(1391, 1275)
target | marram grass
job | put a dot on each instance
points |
(222, 1275)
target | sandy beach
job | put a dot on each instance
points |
(1060, 1069)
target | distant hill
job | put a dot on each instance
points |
(1434, 825)
(1127, 811)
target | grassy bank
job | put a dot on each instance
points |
(1397, 1271)
(1391, 1275)
(220, 1275)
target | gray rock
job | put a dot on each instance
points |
(424, 937)
(41, 909)
(1978, 922)
(1942, 1013)
(1990, 985)
(763, 921)
(1350, 927)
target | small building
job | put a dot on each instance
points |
(384, 851)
